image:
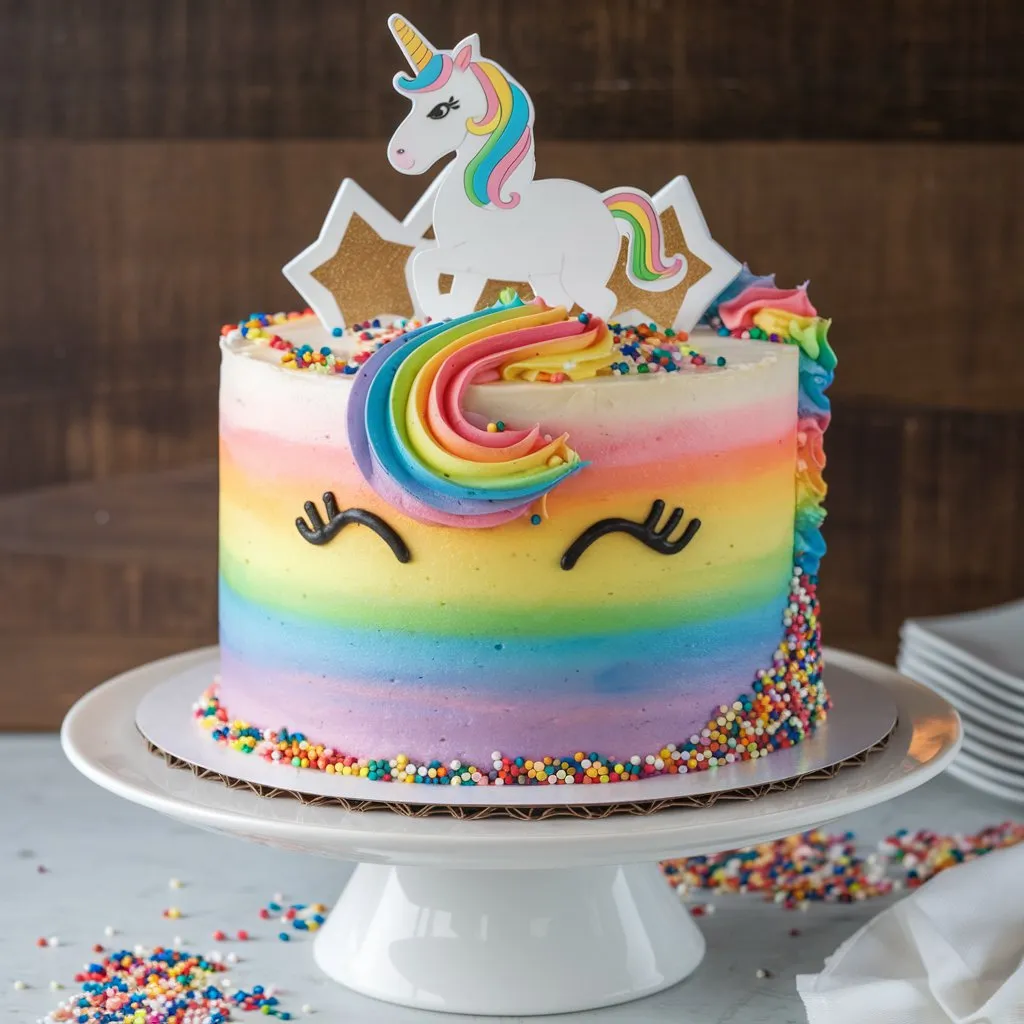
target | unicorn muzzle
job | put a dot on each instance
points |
(401, 159)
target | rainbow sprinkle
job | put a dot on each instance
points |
(645, 349)
(366, 338)
(785, 704)
(640, 349)
(303, 917)
(164, 986)
(816, 867)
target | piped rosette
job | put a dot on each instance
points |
(787, 315)
(421, 450)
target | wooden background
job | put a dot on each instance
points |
(161, 159)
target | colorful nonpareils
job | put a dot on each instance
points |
(301, 917)
(818, 867)
(164, 986)
(641, 349)
(360, 342)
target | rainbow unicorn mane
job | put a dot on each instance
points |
(507, 122)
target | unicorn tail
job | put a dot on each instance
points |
(642, 225)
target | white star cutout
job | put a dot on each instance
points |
(351, 199)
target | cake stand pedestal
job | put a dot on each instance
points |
(516, 942)
(500, 916)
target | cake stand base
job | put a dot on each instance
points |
(511, 942)
(496, 915)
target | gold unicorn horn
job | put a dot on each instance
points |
(417, 50)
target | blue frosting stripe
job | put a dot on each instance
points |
(665, 656)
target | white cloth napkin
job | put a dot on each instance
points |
(953, 951)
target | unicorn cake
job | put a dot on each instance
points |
(531, 492)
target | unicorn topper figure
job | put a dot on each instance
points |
(491, 219)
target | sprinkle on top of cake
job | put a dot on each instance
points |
(639, 349)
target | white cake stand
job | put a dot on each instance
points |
(483, 916)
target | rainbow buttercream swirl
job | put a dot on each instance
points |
(426, 455)
(788, 315)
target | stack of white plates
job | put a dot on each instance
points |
(976, 661)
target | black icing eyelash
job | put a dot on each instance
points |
(646, 532)
(316, 531)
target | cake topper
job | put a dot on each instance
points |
(486, 220)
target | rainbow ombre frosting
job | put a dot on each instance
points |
(489, 445)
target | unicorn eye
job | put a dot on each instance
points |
(443, 109)
(316, 531)
(657, 538)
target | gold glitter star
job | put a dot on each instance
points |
(366, 275)
(359, 266)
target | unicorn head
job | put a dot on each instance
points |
(459, 98)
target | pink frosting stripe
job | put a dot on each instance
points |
(682, 439)
(740, 312)
(261, 457)
(687, 474)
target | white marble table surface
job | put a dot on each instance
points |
(109, 862)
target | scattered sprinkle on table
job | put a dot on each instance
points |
(159, 987)
(303, 917)
(816, 867)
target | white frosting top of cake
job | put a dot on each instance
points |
(262, 389)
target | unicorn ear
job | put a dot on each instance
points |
(467, 50)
